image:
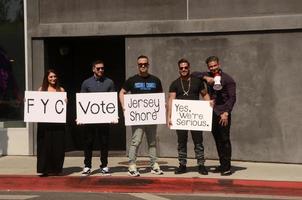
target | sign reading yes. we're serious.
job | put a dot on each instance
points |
(97, 107)
(191, 115)
(45, 107)
(143, 109)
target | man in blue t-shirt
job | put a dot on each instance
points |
(143, 82)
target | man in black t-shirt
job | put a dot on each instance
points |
(187, 87)
(139, 84)
(143, 82)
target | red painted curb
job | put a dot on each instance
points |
(150, 185)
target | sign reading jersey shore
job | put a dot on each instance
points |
(191, 115)
(143, 109)
(45, 107)
(97, 107)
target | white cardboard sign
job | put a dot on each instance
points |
(144, 109)
(191, 115)
(97, 107)
(41, 106)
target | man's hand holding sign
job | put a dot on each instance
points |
(98, 107)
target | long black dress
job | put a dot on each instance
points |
(50, 148)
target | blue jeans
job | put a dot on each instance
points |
(136, 139)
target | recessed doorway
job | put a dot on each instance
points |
(72, 58)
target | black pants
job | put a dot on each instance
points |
(223, 144)
(182, 138)
(100, 134)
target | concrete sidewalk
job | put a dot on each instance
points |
(26, 165)
(19, 173)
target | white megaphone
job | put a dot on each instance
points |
(217, 82)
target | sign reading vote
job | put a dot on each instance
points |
(143, 109)
(191, 115)
(97, 107)
(45, 107)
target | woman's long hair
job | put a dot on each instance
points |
(46, 83)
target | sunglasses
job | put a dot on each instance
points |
(182, 68)
(143, 64)
(99, 68)
(210, 66)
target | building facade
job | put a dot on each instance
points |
(258, 41)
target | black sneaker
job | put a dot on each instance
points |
(43, 175)
(226, 173)
(202, 170)
(181, 169)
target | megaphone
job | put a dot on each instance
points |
(217, 81)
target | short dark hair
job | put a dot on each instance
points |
(183, 60)
(212, 58)
(142, 56)
(97, 62)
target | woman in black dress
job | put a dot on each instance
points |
(50, 137)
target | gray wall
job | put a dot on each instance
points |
(266, 68)
(258, 41)
(109, 11)
(70, 11)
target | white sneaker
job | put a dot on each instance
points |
(132, 171)
(156, 169)
(86, 171)
(105, 171)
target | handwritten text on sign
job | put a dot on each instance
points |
(45, 107)
(96, 108)
(143, 109)
(191, 115)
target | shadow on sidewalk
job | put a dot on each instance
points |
(146, 169)
(234, 169)
(71, 170)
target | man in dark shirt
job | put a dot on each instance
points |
(143, 82)
(97, 83)
(224, 99)
(187, 87)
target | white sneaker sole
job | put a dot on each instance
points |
(133, 175)
(85, 174)
(157, 173)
